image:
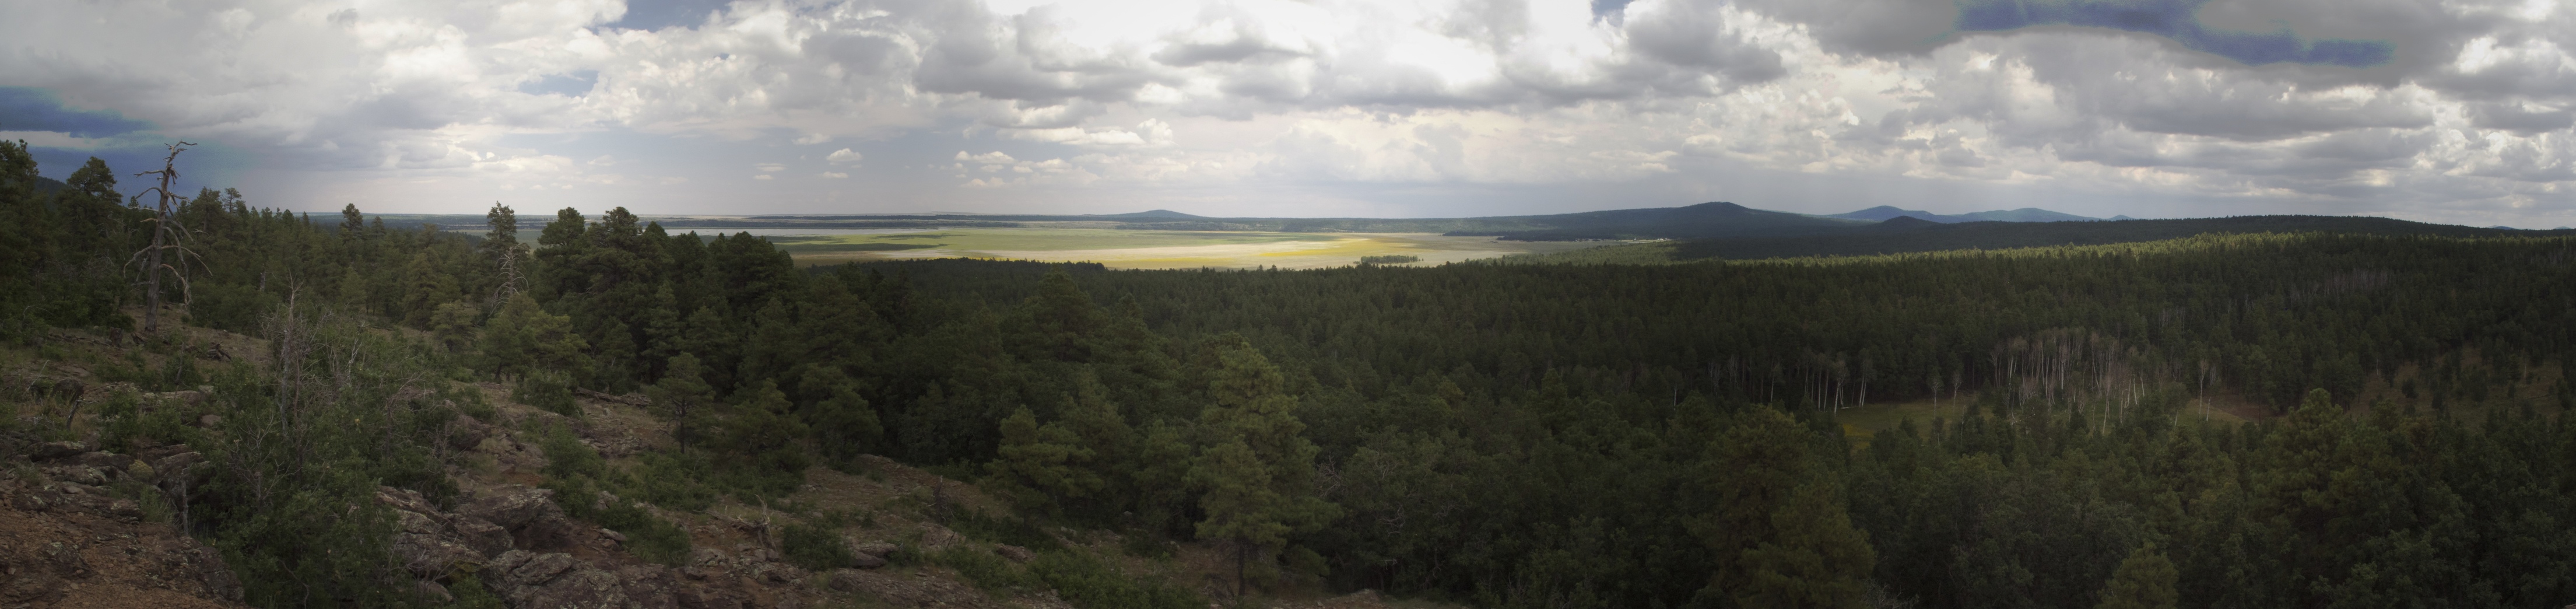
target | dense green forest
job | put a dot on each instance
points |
(1527, 435)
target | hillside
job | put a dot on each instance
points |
(2026, 214)
(100, 463)
(1906, 234)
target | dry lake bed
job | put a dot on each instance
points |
(1151, 249)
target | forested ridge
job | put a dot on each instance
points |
(1487, 434)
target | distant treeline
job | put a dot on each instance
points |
(1904, 235)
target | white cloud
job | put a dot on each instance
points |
(2469, 120)
(832, 175)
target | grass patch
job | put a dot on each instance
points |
(818, 244)
(1652, 252)
(1861, 422)
(1001, 529)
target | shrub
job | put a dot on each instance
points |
(567, 457)
(228, 307)
(982, 568)
(1002, 529)
(1390, 259)
(546, 390)
(814, 547)
(674, 481)
(1089, 584)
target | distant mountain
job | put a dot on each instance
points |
(1909, 234)
(1885, 212)
(1705, 220)
(1154, 214)
(2026, 214)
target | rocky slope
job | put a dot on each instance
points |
(81, 527)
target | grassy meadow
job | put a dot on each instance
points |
(1154, 249)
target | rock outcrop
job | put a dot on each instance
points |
(67, 540)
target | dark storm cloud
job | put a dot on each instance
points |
(2515, 118)
(33, 109)
(2174, 19)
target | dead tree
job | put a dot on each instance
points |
(167, 236)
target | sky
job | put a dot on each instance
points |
(2453, 111)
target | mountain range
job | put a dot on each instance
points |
(2026, 214)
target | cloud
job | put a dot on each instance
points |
(832, 175)
(2459, 109)
(2176, 20)
(27, 109)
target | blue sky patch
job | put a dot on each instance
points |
(574, 84)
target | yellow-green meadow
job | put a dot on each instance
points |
(1154, 249)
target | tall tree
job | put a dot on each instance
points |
(1814, 558)
(524, 338)
(1259, 468)
(2144, 580)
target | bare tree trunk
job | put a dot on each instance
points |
(162, 239)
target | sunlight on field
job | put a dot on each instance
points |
(1128, 249)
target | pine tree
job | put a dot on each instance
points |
(1041, 466)
(1253, 426)
(522, 338)
(683, 395)
(756, 441)
(1815, 558)
(844, 424)
(1242, 507)
(2144, 580)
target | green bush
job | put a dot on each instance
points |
(1390, 259)
(814, 547)
(1088, 583)
(125, 426)
(232, 308)
(674, 481)
(982, 568)
(1002, 529)
(470, 594)
(567, 457)
(650, 538)
(1142, 544)
(548, 391)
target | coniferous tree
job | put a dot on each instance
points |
(524, 338)
(1039, 467)
(1259, 469)
(2145, 580)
